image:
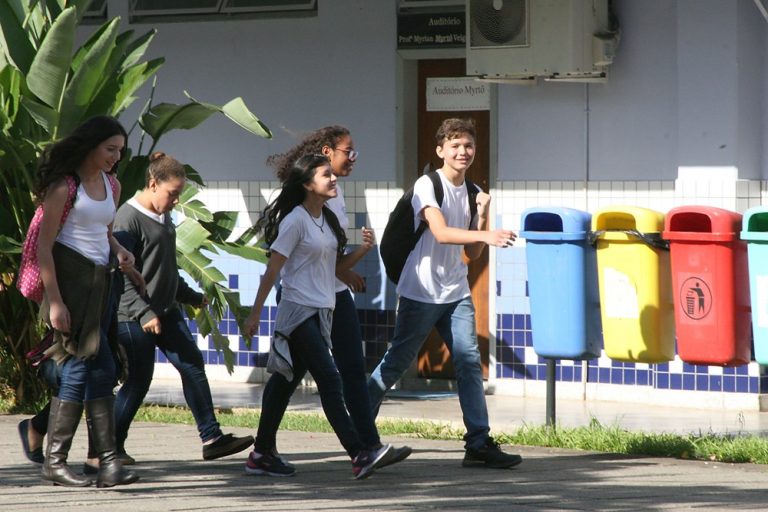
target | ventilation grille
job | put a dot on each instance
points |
(498, 23)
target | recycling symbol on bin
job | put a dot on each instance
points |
(695, 298)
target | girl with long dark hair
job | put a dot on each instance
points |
(306, 244)
(76, 272)
(335, 142)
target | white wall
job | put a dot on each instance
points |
(296, 75)
(686, 89)
(753, 123)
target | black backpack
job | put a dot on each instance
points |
(400, 237)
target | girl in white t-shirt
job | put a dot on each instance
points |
(75, 268)
(306, 244)
(335, 142)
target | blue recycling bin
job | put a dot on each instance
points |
(754, 229)
(562, 283)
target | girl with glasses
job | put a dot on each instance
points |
(335, 142)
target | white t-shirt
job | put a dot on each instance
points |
(309, 275)
(339, 207)
(87, 225)
(435, 273)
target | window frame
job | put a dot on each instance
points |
(221, 10)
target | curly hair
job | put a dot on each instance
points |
(67, 155)
(311, 144)
(292, 194)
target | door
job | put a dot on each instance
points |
(434, 360)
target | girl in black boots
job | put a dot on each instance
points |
(76, 271)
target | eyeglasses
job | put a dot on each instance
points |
(351, 153)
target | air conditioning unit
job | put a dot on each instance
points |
(554, 39)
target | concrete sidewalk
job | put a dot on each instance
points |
(174, 477)
(507, 413)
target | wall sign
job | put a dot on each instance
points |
(420, 30)
(452, 94)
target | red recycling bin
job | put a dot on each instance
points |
(710, 284)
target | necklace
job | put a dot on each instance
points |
(322, 219)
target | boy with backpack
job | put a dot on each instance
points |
(434, 291)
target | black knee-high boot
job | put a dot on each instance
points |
(62, 425)
(111, 471)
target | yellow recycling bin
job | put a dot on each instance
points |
(635, 284)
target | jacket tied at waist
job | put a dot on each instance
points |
(84, 287)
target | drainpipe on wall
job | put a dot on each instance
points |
(585, 364)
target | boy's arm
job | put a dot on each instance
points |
(445, 234)
(475, 250)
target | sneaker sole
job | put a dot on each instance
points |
(232, 449)
(401, 455)
(263, 472)
(481, 464)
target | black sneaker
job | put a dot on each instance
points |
(365, 463)
(395, 456)
(226, 445)
(490, 456)
(271, 464)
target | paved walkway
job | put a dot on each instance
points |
(173, 476)
(506, 412)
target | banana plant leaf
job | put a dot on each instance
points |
(9, 245)
(253, 253)
(48, 71)
(84, 85)
(49, 83)
(15, 40)
(221, 226)
(137, 48)
(190, 235)
(199, 267)
(45, 116)
(165, 117)
(207, 327)
(193, 208)
(237, 111)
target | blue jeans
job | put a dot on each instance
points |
(176, 342)
(455, 322)
(309, 352)
(88, 379)
(348, 354)
(92, 378)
